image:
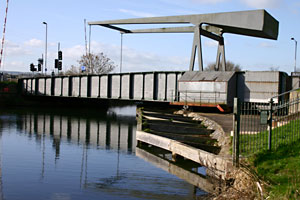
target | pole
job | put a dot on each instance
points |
(121, 53)
(90, 34)
(46, 43)
(85, 40)
(236, 136)
(3, 36)
(295, 55)
(270, 125)
(58, 49)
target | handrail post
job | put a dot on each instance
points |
(236, 135)
(270, 125)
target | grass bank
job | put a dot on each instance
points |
(280, 169)
(283, 135)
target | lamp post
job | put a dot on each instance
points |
(295, 54)
(46, 46)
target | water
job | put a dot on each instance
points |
(66, 154)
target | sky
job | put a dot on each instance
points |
(25, 34)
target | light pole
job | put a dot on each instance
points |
(46, 46)
(295, 54)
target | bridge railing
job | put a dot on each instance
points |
(200, 97)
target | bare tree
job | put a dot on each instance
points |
(94, 64)
(230, 66)
(72, 71)
(274, 68)
(97, 63)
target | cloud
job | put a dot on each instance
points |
(137, 13)
(34, 43)
(267, 45)
(262, 3)
(209, 1)
(13, 49)
(133, 60)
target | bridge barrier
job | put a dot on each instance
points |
(145, 86)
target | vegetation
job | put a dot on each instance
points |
(94, 64)
(285, 134)
(280, 169)
(230, 66)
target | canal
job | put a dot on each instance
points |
(83, 154)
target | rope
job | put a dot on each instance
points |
(3, 36)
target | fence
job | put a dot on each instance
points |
(266, 126)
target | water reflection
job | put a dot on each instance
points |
(116, 135)
(67, 155)
(187, 170)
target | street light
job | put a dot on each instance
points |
(46, 46)
(295, 53)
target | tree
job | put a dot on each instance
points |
(94, 64)
(97, 63)
(230, 66)
(73, 70)
(274, 68)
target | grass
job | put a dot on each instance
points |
(281, 169)
(286, 134)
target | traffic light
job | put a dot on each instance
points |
(40, 61)
(59, 65)
(39, 67)
(56, 63)
(59, 55)
(32, 67)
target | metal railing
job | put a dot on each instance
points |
(201, 97)
(266, 126)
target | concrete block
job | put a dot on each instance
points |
(95, 86)
(65, 82)
(103, 86)
(84, 86)
(41, 86)
(115, 88)
(57, 86)
(125, 86)
(138, 86)
(75, 88)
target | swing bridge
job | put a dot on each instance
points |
(192, 87)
